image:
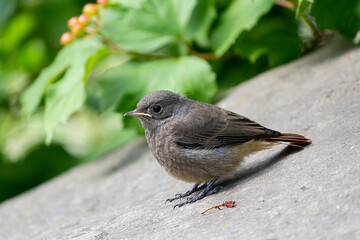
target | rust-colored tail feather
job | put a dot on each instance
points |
(290, 139)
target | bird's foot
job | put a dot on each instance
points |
(188, 193)
(215, 190)
(208, 190)
(201, 195)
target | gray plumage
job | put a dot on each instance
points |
(197, 142)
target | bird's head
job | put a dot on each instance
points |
(156, 108)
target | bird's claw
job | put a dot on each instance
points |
(186, 194)
(207, 189)
(177, 196)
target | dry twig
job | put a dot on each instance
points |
(228, 204)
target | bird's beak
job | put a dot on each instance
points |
(136, 113)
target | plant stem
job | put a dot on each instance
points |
(291, 6)
(285, 4)
(115, 47)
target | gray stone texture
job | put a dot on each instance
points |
(279, 194)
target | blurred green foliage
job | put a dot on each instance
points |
(74, 96)
(29, 41)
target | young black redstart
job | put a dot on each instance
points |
(199, 142)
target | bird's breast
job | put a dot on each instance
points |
(190, 164)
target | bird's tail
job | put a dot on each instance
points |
(290, 139)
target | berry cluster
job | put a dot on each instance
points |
(77, 24)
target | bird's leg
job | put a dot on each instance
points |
(195, 188)
(208, 190)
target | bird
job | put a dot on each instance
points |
(200, 143)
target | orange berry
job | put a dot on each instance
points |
(72, 21)
(66, 38)
(102, 2)
(84, 19)
(77, 30)
(90, 9)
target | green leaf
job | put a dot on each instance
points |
(187, 75)
(16, 30)
(343, 16)
(239, 16)
(34, 55)
(62, 99)
(127, 3)
(298, 7)
(30, 99)
(155, 24)
(303, 8)
(200, 22)
(275, 36)
(67, 95)
(7, 9)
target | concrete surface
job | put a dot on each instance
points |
(279, 194)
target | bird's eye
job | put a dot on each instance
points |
(156, 108)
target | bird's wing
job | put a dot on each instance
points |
(241, 129)
(216, 127)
